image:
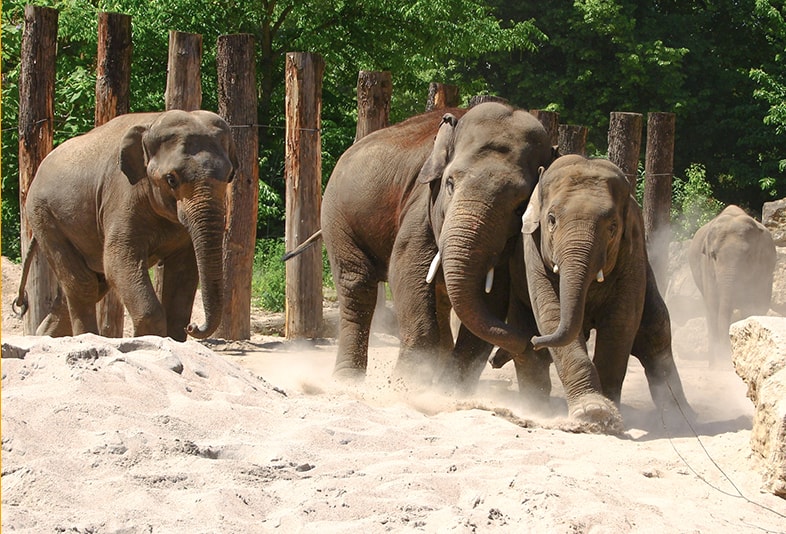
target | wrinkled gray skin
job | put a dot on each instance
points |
(732, 259)
(141, 189)
(583, 219)
(457, 185)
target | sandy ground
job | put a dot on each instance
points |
(254, 436)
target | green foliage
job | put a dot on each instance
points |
(692, 204)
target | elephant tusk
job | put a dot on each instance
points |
(489, 280)
(432, 270)
(600, 278)
(555, 270)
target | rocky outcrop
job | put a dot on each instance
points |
(773, 217)
(759, 357)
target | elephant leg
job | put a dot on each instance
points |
(532, 375)
(466, 362)
(180, 279)
(652, 346)
(128, 274)
(57, 323)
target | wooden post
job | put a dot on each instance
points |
(183, 78)
(658, 169)
(237, 104)
(625, 143)
(572, 139)
(36, 131)
(374, 92)
(550, 121)
(442, 96)
(303, 174)
(113, 81)
(479, 99)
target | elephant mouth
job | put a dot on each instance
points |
(437, 261)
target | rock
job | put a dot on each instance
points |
(759, 357)
(778, 302)
(773, 216)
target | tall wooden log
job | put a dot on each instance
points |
(625, 143)
(658, 169)
(550, 121)
(374, 90)
(36, 131)
(442, 96)
(237, 104)
(479, 99)
(183, 79)
(572, 139)
(113, 82)
(303, 174)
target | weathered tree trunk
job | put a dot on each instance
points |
(303, 173)
(183, 78)
(479, 99)
(625, 143)
(572, 139)
(237, 104)
(550, 121)
(113, 81)
(374, 92)
(36, 130)
(442, 96)
(658, 170)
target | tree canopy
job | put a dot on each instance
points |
(718, 65)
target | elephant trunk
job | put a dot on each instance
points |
(577, 265)
(204, 220)
(468, 244)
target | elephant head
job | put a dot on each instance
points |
(582, 216)
(184, 161)
(481, 171)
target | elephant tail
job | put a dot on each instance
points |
(303, 246)
(20, 305)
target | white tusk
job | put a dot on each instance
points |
(489, 280)
(600, 278)
(432, 270)
(555, 270)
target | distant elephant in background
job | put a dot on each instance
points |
(431, 205)
(583, 265)
(732, 259)
(106, 206)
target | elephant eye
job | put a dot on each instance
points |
(613, 229)
(552, 220)
(171, 180)
(449, 185)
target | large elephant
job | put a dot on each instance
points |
(732, 259)
(142, 189)
(433, 191)
(583, 265)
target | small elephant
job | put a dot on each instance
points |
(583, 265)
(142, 189)
(732, 259)
(431, 205)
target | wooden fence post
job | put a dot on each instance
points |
(658, 169)
(113, 81)
(237, 104)
(183, 78)
(625, 143)
(442, 96)
(36, 134)
(572, 139)
(303, 174)
(374, 92)
(550, 121)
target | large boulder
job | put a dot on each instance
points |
(759, 356)
(773, 217)
(778, 302)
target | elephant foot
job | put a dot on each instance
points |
(596, 413)
(350, 375)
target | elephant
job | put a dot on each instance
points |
(140, 190)
(732, 259)
(431, 205)
(581, 265)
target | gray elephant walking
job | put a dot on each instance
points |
(583, 265)
(432, 205)
(732, 259)
(106, 206)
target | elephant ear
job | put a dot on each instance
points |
(530, 221)
(442, 151)
(133, 156)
